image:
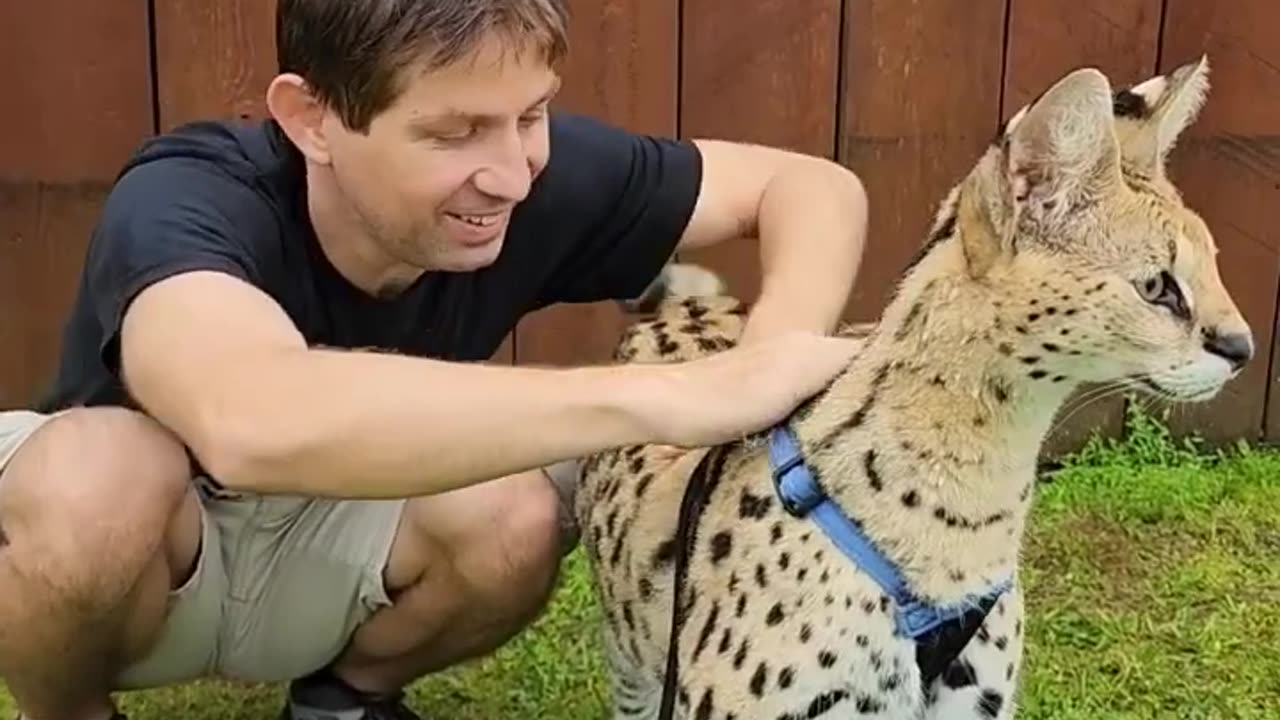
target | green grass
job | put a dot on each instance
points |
(1153, 575)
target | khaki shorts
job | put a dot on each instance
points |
(279, 586)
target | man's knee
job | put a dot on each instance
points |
(500, 539)
(94, 491)
(529, 535)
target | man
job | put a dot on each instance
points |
(287, 314)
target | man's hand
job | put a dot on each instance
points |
(743, 390)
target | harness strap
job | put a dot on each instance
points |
(801, 496)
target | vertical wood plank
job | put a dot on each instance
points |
(762, 72)
(1048, 39)
(63, 64)
(622, 69)
(920, 96)
(1228, 166)
(77, 94)
(914, 119)
(214, 60)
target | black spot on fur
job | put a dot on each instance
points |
(758, 679)
(707, 345)
(705, 706)
(908, 322)
(704, 637)
(761, 579)
(868, 705)
(860, 415)
(775, 615)
(873, 475)
(999, 390)
(742, 605)
(643, 485)
(753, 507)
(826, 658)
(786, 676)
(806, 632)
(721, 544)
(775, 533)
(646, 588)
(945, 229)
(911, 498)
(1037, 374)
(664, 554)
(989, 704)
(784, 561)
(741, 656)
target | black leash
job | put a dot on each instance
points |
(691, 507)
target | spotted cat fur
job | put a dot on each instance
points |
(1065, 256)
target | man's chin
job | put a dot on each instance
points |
(468, 258)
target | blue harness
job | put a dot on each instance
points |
(939, 632)
(800, 495)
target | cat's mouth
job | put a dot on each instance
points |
(1184, 394)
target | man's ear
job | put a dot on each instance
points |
(1152, 114)
(1062, 148)
(300, 115)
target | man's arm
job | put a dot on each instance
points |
(810, 215)
(218, 362)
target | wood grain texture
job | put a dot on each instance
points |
(44, 230)
(920, 102)
(622, 69)
(761, 72)
(77, 100)
(1048, 39)
(213, 59)
(77, 94)
(1228, 166)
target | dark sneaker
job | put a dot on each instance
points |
(325, 697)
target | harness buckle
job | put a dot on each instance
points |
(796, 490)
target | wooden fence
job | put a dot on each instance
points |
(907, 92)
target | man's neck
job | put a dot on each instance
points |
(348, 246)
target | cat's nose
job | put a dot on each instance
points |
(1235, 348)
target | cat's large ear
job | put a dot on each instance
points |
(1062, 148)
(1152, 115)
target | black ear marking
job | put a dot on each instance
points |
(1128, 104)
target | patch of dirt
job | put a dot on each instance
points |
(1123, 561)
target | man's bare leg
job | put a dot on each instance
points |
(468, 570)
(100, 524)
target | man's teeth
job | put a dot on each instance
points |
(477, 220)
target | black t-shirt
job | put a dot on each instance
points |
(598, 224)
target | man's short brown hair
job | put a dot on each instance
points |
(352, 52)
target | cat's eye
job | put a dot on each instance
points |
(1152, 288)
(1162, 289)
